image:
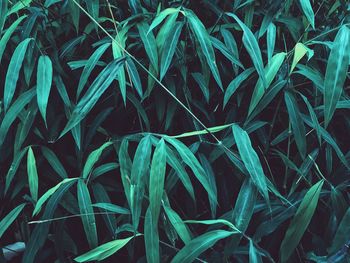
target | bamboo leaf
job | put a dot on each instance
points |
(308, 12)
(151, 238)
(336, 70)
(200, 244)
(342, 235)
(13, 71)
(205, 43)
(33, 179)
(9, 218)
(169, 48)
(161, 16)
(149, 43)
(300, 221)
(251, 160)
(44, 81)
(103, 251)
(49, 193)
(252, 46)
(156, 183)
(296, 121)
(87, 214)
(112, 208)
(299, 52)
(138, 178)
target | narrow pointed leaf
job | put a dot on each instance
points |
(308, 12)
(33, 179)
(151, 238)
(12, 74)
(9, 218)
(149, 43)
(44, 81)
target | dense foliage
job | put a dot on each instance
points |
(158, 131)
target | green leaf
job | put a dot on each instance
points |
(156, 182)
(252, 46)
(103, 251)
(13, 72)
(308, 12)
(271, 40)
(44, 81)
(55, 163)
(87, 214)
(336, 70)
(135, 77)
(342, 235)
(32, 174)
(125, 168)
(112, 208)
(9, 218)
(151, 238)
(203, 38)
(9, 31)
(93, 158)
(300, 221)
(251, 160)
(178, 224)
(199, 78)
(235, 83)
(14, 167)
(296, 121)
(149, 43)
(138, 178)
(161, 16)
(214, 222)
(270, 72)
(254, 255)
(90, 65)
(299, 52)
(3, 11)
(189, 159)
(199, 244)
(48, 194)
(90, 98)
(169, 48)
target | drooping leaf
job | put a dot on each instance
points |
(103, 251)
(200, 244)
(204, 41)
(300, 221)
(251, 160)
(33, 179)
(342, 235)
(309, 13)
(87, 214)
(55, 163)
(149, 43)
(12, 74)
(337, 65)
(44, 81)
(252, 46)
(151, 238)
(299, 52)
(112, 208)
(161, 16)
(9, 218)
(271, 40)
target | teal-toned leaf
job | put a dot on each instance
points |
(270, 72)
(3, 11)
(44, 81)
(271, 40)
(161, 16)
(199, 78)
(169, 48)
(300, 221)
(90, 98)
(252, 46)
(19, 6)
(93, 158)
(9, 31)
(149, 43)
(33, 179)
(178, 224)
(87, 214)
(139, 170)
(90, 65)
(13, 72)
(55, 163)
(14, 167)
(251, 160)
(48, 194)
(151, 238)
(296, 122)
(112, 208)
(93, 8)
(103, 251)
(342, 235)
(203, 38)
(9, 218)
(135, 77)
(189, 159)
(164, 31)
(254, 255)
(299, 52)
(308, 12)
(337, 66)
(125, 164)
(235, 83)
(156, 181)
(214, 222)
(199, 244)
